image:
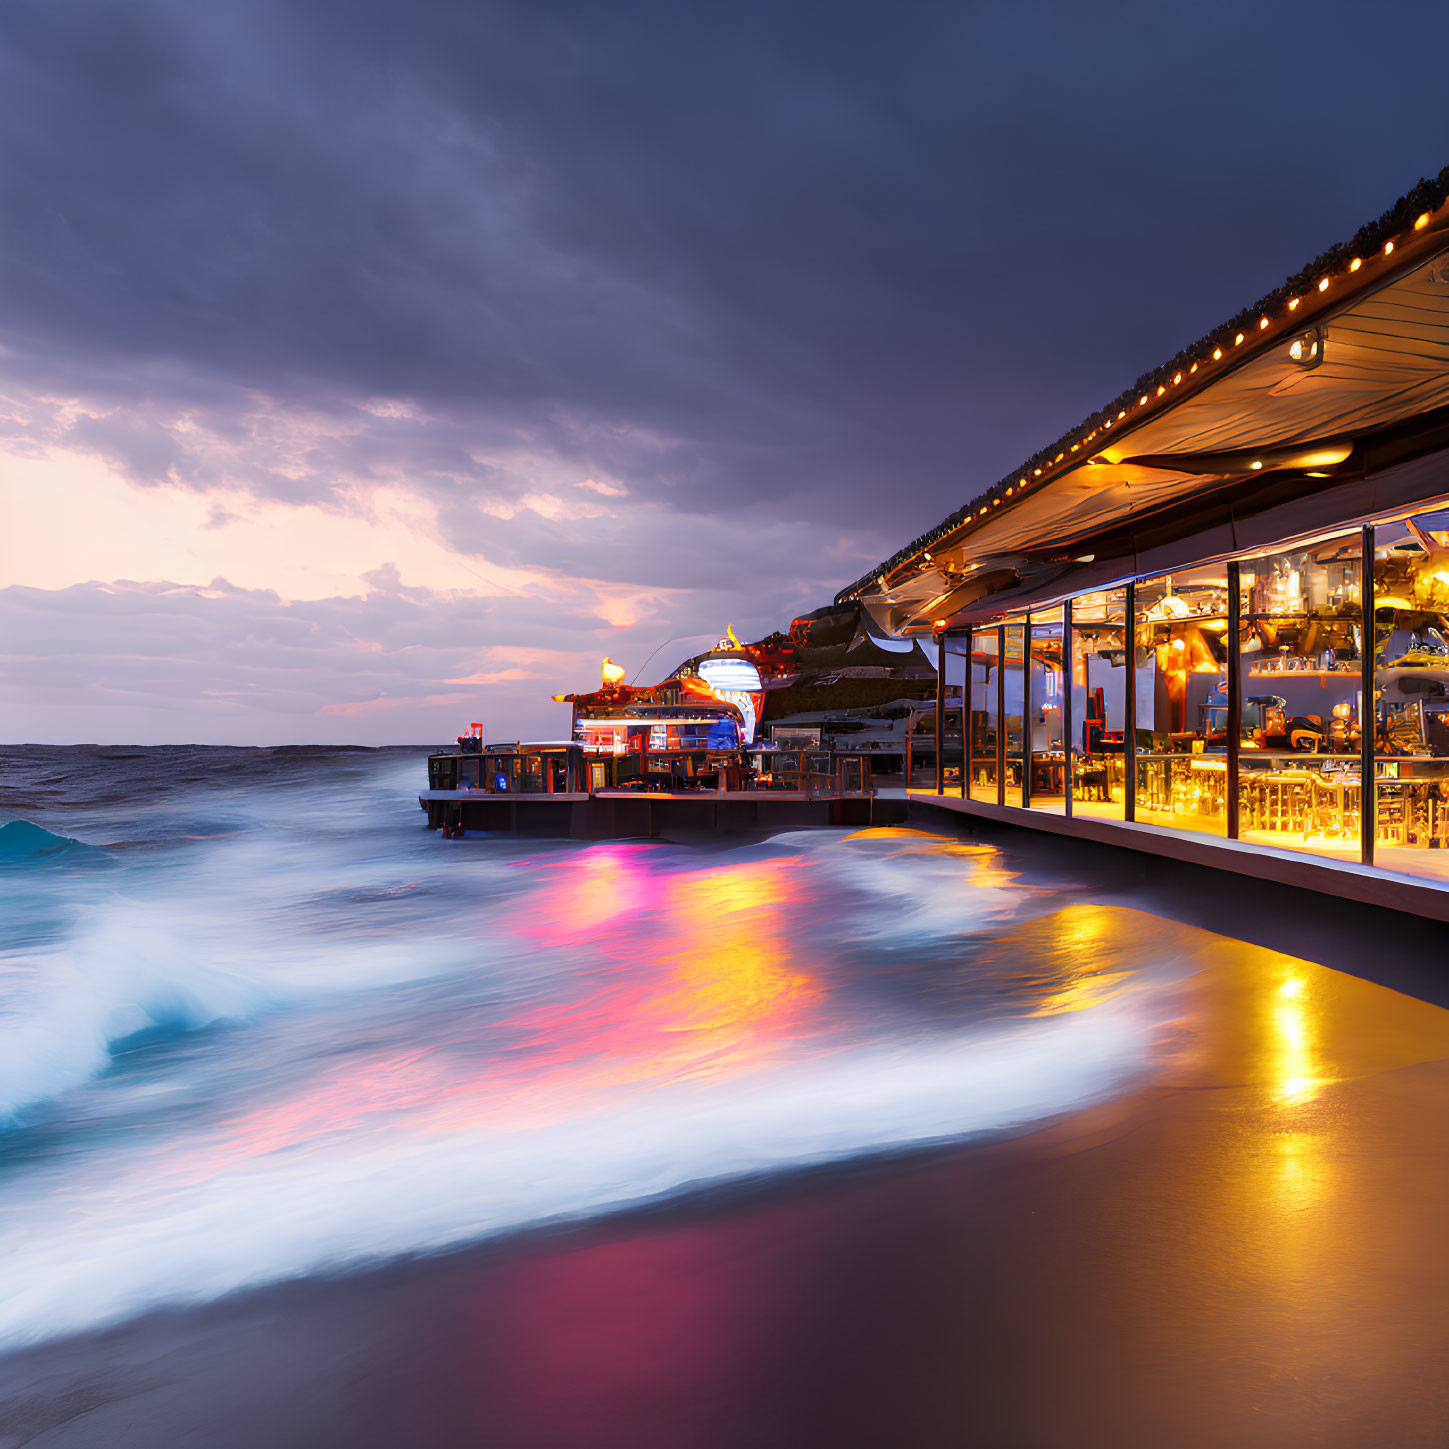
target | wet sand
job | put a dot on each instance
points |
(1244, 1250)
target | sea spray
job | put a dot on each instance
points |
(288, 1030)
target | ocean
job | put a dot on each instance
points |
(258, 1023)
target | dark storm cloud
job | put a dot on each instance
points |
(155, 661)
(854, 259)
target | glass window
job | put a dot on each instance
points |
(1411, 696)
(985, 647)
(1044, 718)
(1181, 659)
(953, 690)
(1301, 635)
(500, 773)
(1015, 649)
(1099, 703)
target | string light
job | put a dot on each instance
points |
(1296, 351)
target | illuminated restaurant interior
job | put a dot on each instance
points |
(1220, 605)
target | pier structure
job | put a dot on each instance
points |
(681, 759)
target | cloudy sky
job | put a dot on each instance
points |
(368, 367)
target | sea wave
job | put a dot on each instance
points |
(23, 843)
(228, 934)
(183, 1233)
(427, 1044)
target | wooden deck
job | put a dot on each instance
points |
(1350, 880)
(655, 815)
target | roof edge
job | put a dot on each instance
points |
(1408, 214)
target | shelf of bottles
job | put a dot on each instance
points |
(1081, 709)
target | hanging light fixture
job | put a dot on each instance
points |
(1306, 349)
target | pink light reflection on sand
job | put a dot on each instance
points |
(686, 974)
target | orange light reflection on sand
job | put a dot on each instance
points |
(1086, 935)
(985, 870)
(1295, 1065)
(736, 989)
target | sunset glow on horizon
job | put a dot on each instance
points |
(364, 374)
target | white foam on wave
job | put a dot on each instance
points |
(219, 941)
(921, 887)
(89, 1246)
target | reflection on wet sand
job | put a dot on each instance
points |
(1236, 1241)
(668, 976)
(1258, 1223)
(1244, 1252)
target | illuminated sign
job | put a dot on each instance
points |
(737, 682)
(734, 674)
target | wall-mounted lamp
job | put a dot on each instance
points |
(1306, 349)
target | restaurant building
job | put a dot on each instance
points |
(1212, 621)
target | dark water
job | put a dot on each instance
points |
(257, 1022)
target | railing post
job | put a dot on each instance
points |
(1129, 710)
(1234, 724)
(1368, 713)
